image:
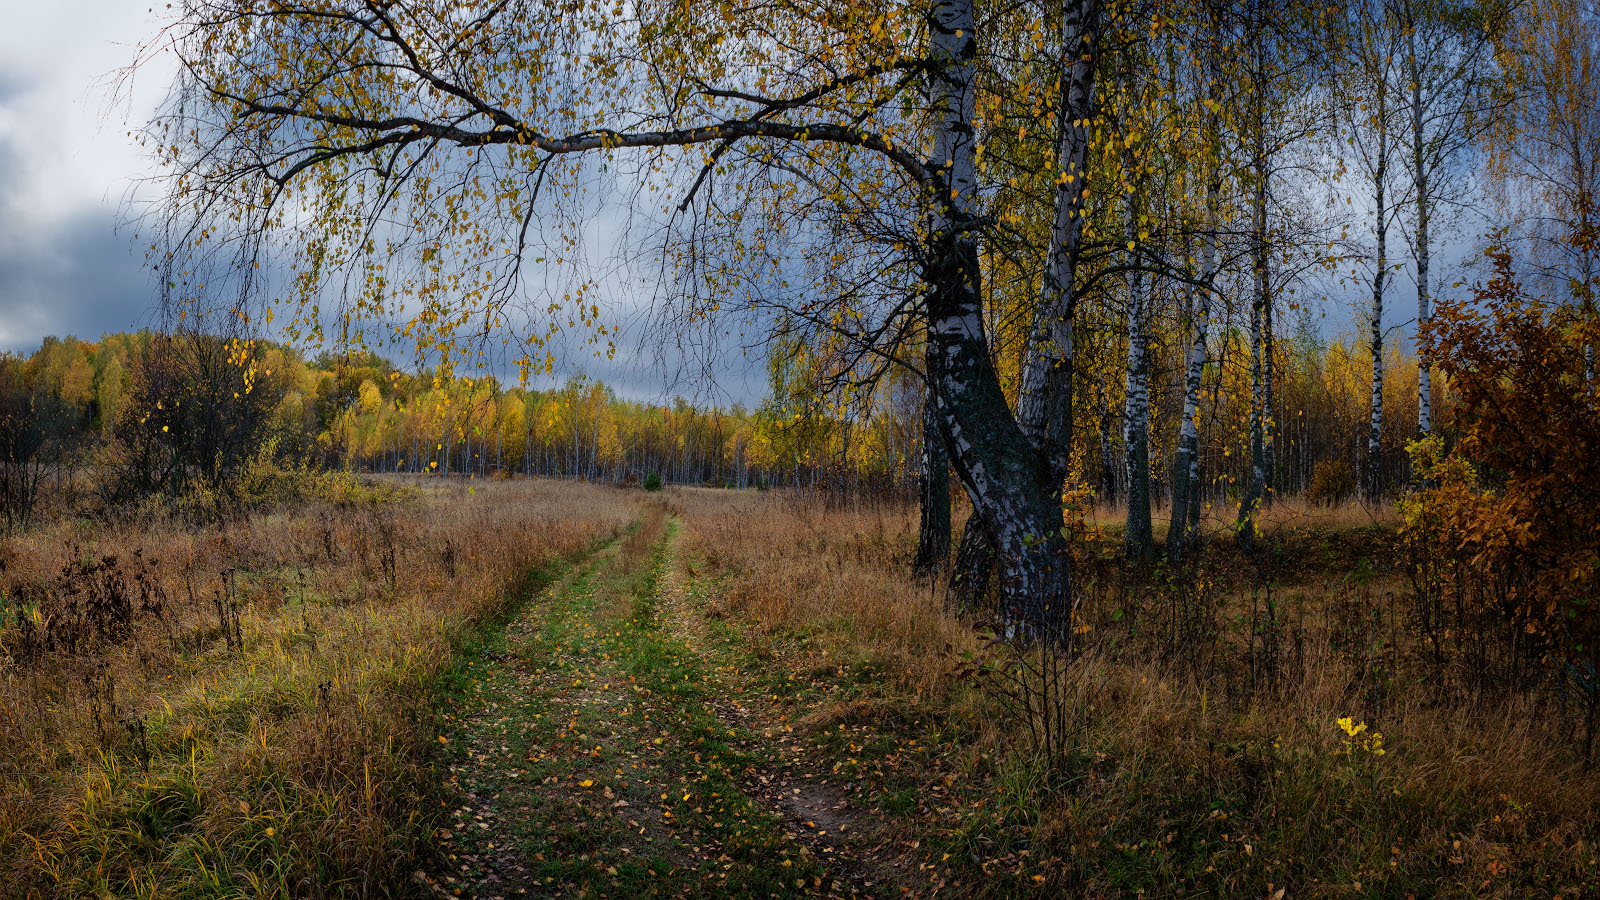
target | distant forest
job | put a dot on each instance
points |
(360, 412)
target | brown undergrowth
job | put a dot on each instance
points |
(1252, 727)
(243, 709)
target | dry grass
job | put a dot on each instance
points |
(268, 733)
(1283, 514)
(1467, 800)
(1193, 773)
(295, 758)
(837, 574)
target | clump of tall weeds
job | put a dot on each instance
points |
(87, 604)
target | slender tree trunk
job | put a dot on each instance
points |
(1186, 471)
(1422, 250)
(1137, 541)
(933, 488)
(1251, 501)
(1044, 409)
(1269, 402)
(1373, 483)
(1256, 480)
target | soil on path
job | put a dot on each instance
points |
(602, 751)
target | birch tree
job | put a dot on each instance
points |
(1368, 102)
(1183, 529)
(409, 159)
(1448, 72)
(1546, 148)
(1279, 50)
(933, 494)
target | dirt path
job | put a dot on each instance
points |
(604, 751)
(845, 839)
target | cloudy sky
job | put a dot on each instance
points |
(70, 263)
(66, 164)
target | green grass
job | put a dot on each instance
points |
(594, 746)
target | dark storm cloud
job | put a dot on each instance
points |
(64, 266)
(82, 277)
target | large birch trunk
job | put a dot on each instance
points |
(1013, 469)
(974, 567)
(1014, 482)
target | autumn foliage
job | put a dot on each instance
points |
(1508, 528)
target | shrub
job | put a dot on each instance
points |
(652, 482)
(1332, 482)
(35, 429)
(1506, 536)
(266, 481)
(198, 409)
(88, 602)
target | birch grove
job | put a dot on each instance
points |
(1073, 225)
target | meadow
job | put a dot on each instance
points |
(437, 687)
(774, 449)
(247, 708)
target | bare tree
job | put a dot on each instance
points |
(1367, 100)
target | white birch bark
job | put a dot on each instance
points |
(997, 461)
(1136, 405)
(1186, 487)
(1421, 249)
(1046, 375)
(1029, 549)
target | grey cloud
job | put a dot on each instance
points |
(12, 85)
(84, 278)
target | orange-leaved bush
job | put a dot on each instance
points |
(1508, 521)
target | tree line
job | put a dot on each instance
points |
(71, 400)
(159, 413)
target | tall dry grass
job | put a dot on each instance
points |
(838, 573)
(1284, 513)
(269, 732)
(1213, 764)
